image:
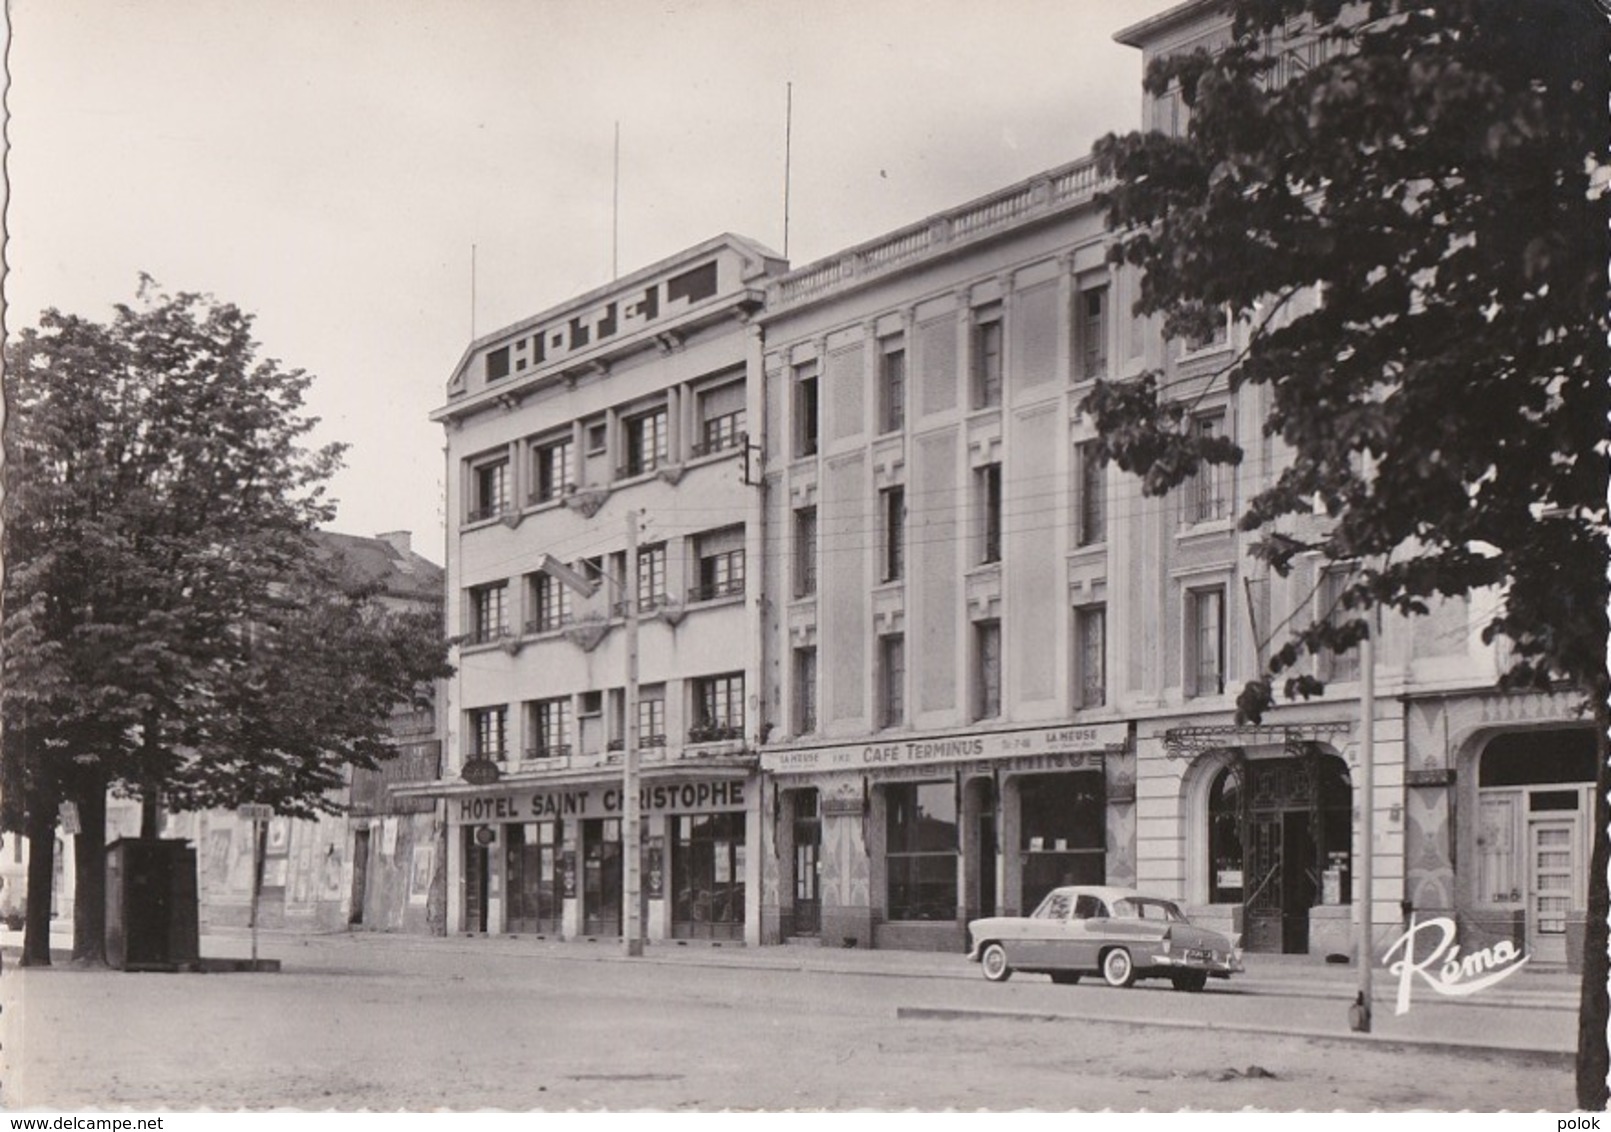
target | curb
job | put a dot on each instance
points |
(1536, 1054)
(1281, 985)
(1275, 984)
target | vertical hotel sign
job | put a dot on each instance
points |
(948, 749)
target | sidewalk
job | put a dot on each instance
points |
(1277, 975)
(1285, 975)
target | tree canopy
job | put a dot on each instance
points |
(1411, 224)
(1405, 207)
(169, 628)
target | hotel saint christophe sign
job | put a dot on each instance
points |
(1043, 748)
(599, 801)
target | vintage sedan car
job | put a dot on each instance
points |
(1115, 932)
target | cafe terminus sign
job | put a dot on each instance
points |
(947, 749)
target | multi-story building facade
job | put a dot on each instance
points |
(617, 420)
(973, 662)
(937, 653)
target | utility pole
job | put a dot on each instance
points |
(632, 933)
(1365, 951)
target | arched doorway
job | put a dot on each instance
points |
(1534, 798)
(1280, 837)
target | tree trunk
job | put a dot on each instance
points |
(89, 876)
(150, 813)
(151, 788)
(1594, 1009)
(41, 829)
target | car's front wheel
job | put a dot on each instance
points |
(1065, 978)
(1118, 968)
(995, 965)
(1191, 980)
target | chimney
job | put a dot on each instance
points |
(398, 540)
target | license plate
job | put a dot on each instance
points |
(1195, 955)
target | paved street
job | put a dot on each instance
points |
(403, 1022)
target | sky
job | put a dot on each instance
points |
(330, 164)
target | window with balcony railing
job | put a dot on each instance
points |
(489, 490)
(720, 564)
(552, 470)
(488, 613)
(551, 604)
(652, 576)
(551, 725)
(718, 708)
(645, 443)
(651, 730)
(488, 732)
(721, 418)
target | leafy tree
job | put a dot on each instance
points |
(159, 497)
(1414, 232)
(323, 664)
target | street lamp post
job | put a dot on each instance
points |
(631, 871)
(1367, 825)
(632, 935)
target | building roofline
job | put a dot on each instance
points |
(754, 249)
(1140, 34)
(1046, 195)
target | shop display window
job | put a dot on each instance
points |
(921, 850)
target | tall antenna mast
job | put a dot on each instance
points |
(788, 141)
(615, 211)
(472, 292)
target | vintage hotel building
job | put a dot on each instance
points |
(626, 406)
(912, 655)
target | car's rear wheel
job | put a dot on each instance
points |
(1118, 968)
(1065, 978)
(995, 965)
(1190, 980)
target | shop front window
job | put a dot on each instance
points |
(707, 866)
(532, 867)
(921, 850)
(1062, 832)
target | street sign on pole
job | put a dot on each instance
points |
(258, 813)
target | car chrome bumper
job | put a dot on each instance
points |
(1230, 966)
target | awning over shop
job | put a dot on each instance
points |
(1189, 742)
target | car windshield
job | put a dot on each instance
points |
(1140, 908)
(1054, 907)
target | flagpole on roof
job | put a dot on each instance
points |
(788, 141)
(615, 209)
